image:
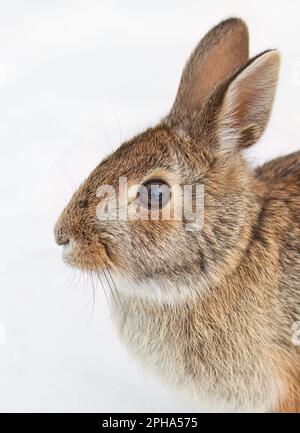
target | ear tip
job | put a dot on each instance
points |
(229, 25)
(237, 27)
(276, 54)
(277, 62)
(273, 57)
(235, 23)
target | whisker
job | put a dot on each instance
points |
(63, 196)
(83, 286)
(71, 279)
(110, 288)
(68, 177)
(115, 287)
(97, 274)
(103, 288)
(77, 281)
(85, 292)
(93, 295)
(103, 133)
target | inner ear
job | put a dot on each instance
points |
(222, 52)
(247, 103)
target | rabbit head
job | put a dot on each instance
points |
(222, 106)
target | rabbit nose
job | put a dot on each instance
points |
(61, 238)
(62, 241)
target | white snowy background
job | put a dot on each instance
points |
(77, 78)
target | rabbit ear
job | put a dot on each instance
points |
(223, 51)
(248, 101)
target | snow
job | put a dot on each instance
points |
(77, 78)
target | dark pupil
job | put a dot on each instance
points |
(155, 194)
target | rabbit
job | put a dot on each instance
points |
(210, 310)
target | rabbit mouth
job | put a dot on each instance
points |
(86, 256)
(67, 247)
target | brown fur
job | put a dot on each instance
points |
(212, 310)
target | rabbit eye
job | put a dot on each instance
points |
(154, 194)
